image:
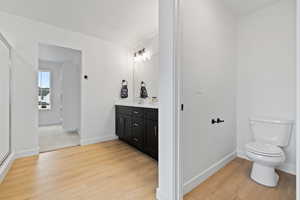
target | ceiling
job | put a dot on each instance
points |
(125, 22)
(244, 7)
(122, 21)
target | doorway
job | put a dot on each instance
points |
(59, 97)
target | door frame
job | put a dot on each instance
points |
(9, 47)
(41, 42)
(170, 142)
(298, 99)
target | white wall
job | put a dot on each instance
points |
(104, 62)
(209, 88)
(52, 116)
(71, 96)
(148, 71)
(266, 70)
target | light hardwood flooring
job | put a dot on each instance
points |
(116, 171)
(233, 183)
(106, 171)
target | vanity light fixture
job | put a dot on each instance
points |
(142, 55)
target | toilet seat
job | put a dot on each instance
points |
(263, 149)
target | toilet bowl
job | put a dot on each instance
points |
(266, 152)
(265, 158)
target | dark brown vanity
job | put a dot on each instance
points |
(138, 126)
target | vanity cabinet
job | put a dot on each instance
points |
(151, 138)
(139, 128)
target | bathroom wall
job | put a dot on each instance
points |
(105, 63)
(71, 97)
(208, 65)
(148, 71)
(267, 70)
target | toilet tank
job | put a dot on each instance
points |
(272, 131)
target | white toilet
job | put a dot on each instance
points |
(266, 151)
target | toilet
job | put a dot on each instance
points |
(270, 136)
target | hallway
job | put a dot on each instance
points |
(54, 137)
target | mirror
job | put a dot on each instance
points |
(146, 68)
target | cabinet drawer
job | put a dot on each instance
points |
(138, 132)
(137, 112)
(137, 123)
(124, 110)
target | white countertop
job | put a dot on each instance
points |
(136, 104)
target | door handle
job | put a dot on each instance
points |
(155, 131)
(220, 121)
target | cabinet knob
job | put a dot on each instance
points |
(135, 139)
(135, 112)
(135, 124)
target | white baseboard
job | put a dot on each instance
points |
(198, 179)
(286, 167)
(5, 167)
(51, 124)
(97, 140)
(160, 195)
(242, 154)
(27, 153)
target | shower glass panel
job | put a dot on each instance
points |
(4, 101)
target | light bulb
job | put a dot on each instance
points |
(147, 55)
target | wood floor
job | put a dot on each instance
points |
(106, 171)
(116, 171)
(233, 183)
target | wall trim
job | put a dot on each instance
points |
(96, 140)
(160, 195)
(4, 169)
(50, 124)
(289, 168)
(298, 99)
(198, 179)
(27, 153)
(241, 154)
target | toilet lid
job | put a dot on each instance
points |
(264, 149)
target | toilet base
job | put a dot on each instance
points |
(264, 175)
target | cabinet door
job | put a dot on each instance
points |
(120, 125)
(123, 127)
(151, 140)
(137, 134)
(127, 129)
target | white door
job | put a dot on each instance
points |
(4, 102)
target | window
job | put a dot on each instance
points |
(44, 84)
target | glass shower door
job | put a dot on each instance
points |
(4, 101)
